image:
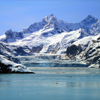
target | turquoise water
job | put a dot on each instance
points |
(52, 84)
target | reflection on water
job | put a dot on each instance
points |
(75, 84)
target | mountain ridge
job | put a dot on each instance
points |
(54, 36)
(45, 32)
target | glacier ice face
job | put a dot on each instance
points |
(49, 60)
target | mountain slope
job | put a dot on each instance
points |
(8, 62)
(89, 26)
(52, 35)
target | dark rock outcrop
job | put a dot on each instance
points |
(73, 50)
(19, 51)
(4, 68)
(36, 49)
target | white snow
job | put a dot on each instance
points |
(2, 37)
(94, 66)
(36, 39)
(14, 66)
(52, 31)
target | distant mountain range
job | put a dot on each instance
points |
(79, 41)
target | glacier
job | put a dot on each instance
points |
(49, 60)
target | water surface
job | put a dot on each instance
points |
(52, 84)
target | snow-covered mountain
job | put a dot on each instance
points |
(53, 36)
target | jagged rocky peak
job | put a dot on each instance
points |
(52, 22)
(39, 25)
(49, 18)
(9, 33)
(13, 34)
(90, 19)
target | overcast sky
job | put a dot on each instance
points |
(20, 14)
